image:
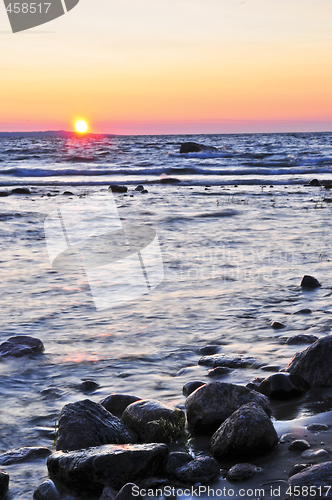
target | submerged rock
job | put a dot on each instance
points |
(47, 491)
(199, 470)
(226, 361)
(21, 345)
(177, 459)
(23, 455)
(299, 445)
(247, 433)
(310, 282)
(88, 386)
(301, 339)
(317, 427)
(117, 403)
(84, 424)
(314, 363)
(242, 472)
(283, 386)
(4, 482)
(209, 349)
(140, 187)
(213, 403)
(276, 325)
(115, 188)
(108, 465)
(314, 182)
(194, 147)
(153, 421)
(4, 194)
(169, 180)
(190, 387)
(21, 191)
(219, 371)
(318, 476)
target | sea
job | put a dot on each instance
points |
(237, 230)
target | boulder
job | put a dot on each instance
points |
(310, 282)
(21, 191)
(248, 433)
(4, 194)
(317, 476)
(299, 445)
(314, 363)
(194, 147)
(4, 482)
(23, 455)
(85, 423)
(199, 470)
(115, 188)
(177, 459)
(117, 403)
(226, 361)
(190, 387)
(283, 386)
(213, 403)
(108, 465)
(301, 339)
(47, 491)
(20, 345)
(153, 421)
(242, 472)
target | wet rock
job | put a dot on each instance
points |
(219, 371)
(108, 465)
(67, 193)
(108, 494)
(229, 362)
(276, 325)
(314, 182)
(4, 482)
(309, 282)
(145, 191)
(270, 368)
(139, 188)
(283, 386)
(317, 427)
(297, 468)
(153, 421)
(85, 423)
(242, 472)
(20, 345)
(177, 459)
(317, 475)
(21, 191)
(191, 386)
(286, 438)
(199, 470)
(117, 403)
(299, 445)
(3, 194)
(313, 364)
(194, 147)
(169, 180)
(88, 386)
(213, 403)
(51, 393)
(129, 491)
(115, 188)
(313, 454)
(301, 339)
(255, 383)
(248, 433)
(304, 311)
(47, 491)
(23, 455)
(209, 349)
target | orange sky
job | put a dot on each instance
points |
(172, 67)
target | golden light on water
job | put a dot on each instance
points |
(81, 126)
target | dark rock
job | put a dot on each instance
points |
(318, 476)
(313, 454)
(219, 371)
(21, 191)
(276, 325)
(23, 455)
(139, 188)
(297, 468)
(299, 445)
(317, 427)
(84, 424)
(270, 368)
(129, 491)
(88, 386)
(3, 194)
(199, 470)
(117, 403)
(304, 311)
(115, 188)
(209, 349)
(228, 362)
(169, 180)
(153, 421)
(108, 465)
(248, 433)
(145, 191)
(177, 459)
(286, 438)
(108, 494)
(310, 282)
(193, 147)
(314, 363)
(283, 386)
(213, 403)
(67, 193)
(47, 491)
(190, 387)
(301, 339)
(51, 393)
(20, 345)
(314, 182)
(253, 384)
(4, 482)
(242, 472)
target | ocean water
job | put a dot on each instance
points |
(236, 236)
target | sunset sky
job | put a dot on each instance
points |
(175, 66)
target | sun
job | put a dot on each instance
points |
(81, 126)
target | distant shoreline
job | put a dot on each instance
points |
(50, 133)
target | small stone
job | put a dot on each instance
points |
(304, 311)
(4, 482)
(139, 188)
(199, 470)
(310, 454)
(219, 371)
(21, 191)
(297, 468)
(169, 180)
(145, 191)
(309, 282)
(115, 188)
(177, 459)
(67, 193)
(276, 325)
(51, 393)
(299, 445)
(191, 386)
(255, 383)
(194, 147)
(117, 403)
(242, 472)
(229, 362)
(301, 339)
(23, 455)
(317, 427)
(3, 194)
(283, 386)
(286, 438)
(209, 349)
(314, 182)
(88, 386)
(47, 491)
(20, 345)
(270, 368)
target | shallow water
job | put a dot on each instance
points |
(233, 262)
